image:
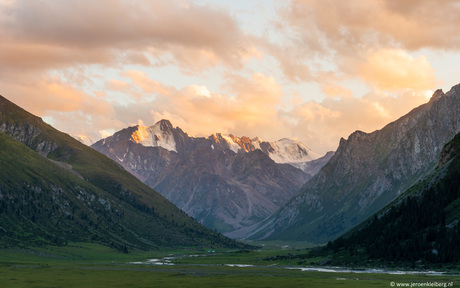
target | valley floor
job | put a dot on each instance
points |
(199, 276)
(88, 265)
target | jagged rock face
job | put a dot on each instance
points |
(24, 132)
(449, 151)
(225, 182)
(28, 135)
(367, 172)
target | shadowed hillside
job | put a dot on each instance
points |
(53, 189)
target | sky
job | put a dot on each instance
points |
(312, 70)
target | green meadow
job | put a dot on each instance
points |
(89, 265)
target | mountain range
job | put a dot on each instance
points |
(224, 182)
(55, 190)
(367, 171)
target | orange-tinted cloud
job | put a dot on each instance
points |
(52, 94)
(391, 69)
(146, 84)
(327, 42)
(250, 109)
(359, 24)
(336, 90)
(254, 107)
(322, 124)
(69, 38)
(345, 34)
(71, 109)
(50, 34)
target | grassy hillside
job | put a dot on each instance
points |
(80, 195)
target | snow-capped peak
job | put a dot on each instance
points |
(158, 135)
(282, 151)
(290, 151)
(231, 143)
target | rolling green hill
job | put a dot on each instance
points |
(54, 189)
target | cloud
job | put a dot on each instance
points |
(71, 38)
(69, 108)
(337, 36)
(335, 90)
(146, 85)
(52, 34)
(250, 107)
(359, 24)
(254, 106)
(197, 91)
(120, 86)
(322, 124)
(107, 53)
(52, 94)
(390, 69)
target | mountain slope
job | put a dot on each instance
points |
(423, 224)
(55, 189)
(248, 188)
(367, 172)
(225, 182)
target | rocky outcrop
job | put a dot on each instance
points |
(449, 151)
(24, 128)
(30, 136)
(367, 171)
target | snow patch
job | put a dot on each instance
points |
(291, 151)
(231, 144)
(285, 151)
(153, 136)
(256, 142)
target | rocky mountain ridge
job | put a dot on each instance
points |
(420, 226)
(367, 171)
(163, 134)
(225, 182)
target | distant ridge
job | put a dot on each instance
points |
(163, 134)
(223, 181)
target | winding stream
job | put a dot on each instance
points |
(168, 261)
